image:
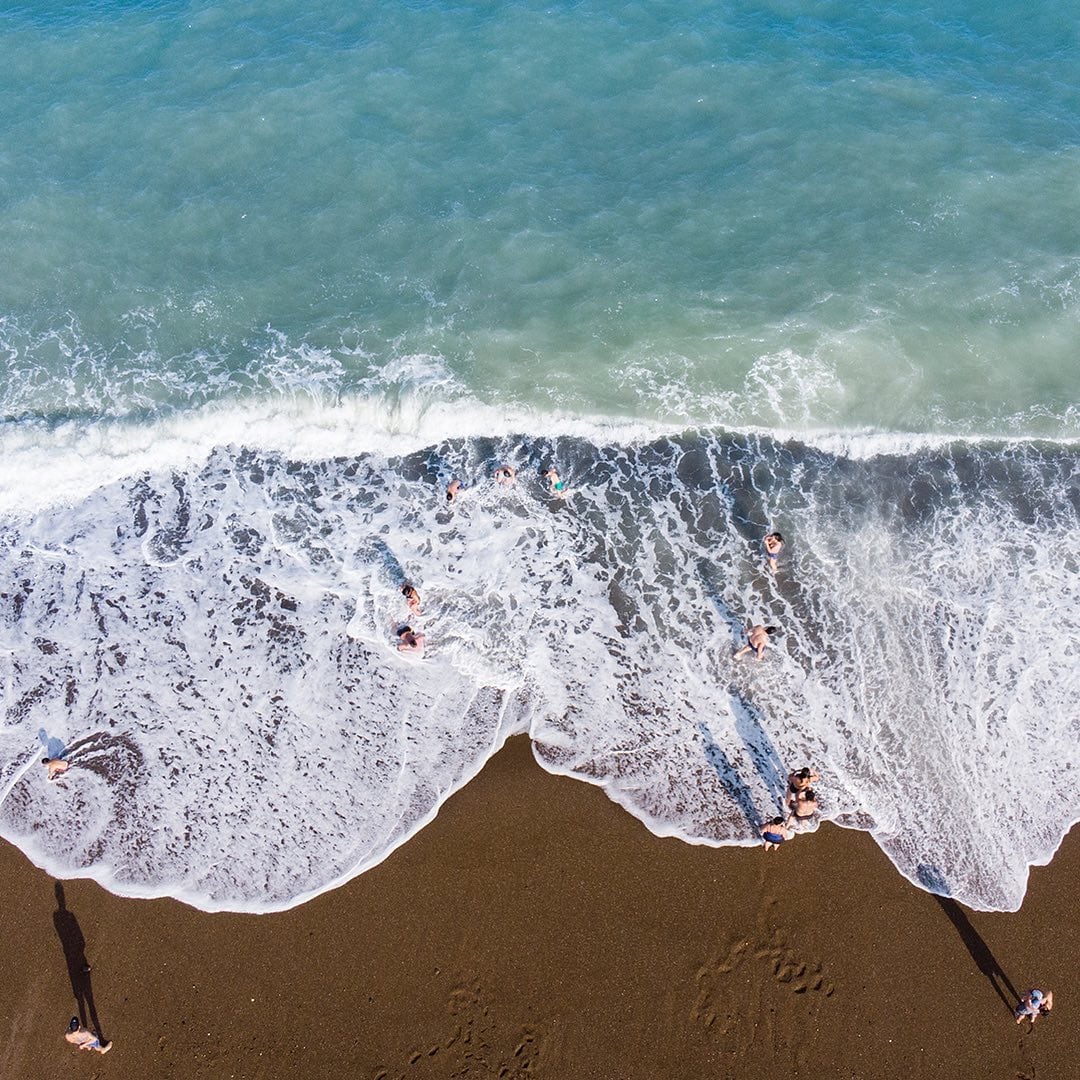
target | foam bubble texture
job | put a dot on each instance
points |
(214, 645)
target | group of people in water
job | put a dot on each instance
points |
(411, 640)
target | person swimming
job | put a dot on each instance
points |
(453, 490)
(506, 475)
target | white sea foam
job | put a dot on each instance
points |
(214, 645)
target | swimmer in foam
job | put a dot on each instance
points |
(506, 476)
(410, 641)
(757, 638)
(412, 599)
(773, 545)
(453, 490)
(55, 766)
(556, 484)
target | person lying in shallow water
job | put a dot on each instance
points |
(758, 638)
(506, 475)
(453, 490)
(410, 641)
(412, 598)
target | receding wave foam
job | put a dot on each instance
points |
(214, 645)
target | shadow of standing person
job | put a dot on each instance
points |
(932, 879)
(74, 944)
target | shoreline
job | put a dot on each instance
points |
(535, 929)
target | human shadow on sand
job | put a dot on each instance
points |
(74, 945)
(729, 776)
(932, 878)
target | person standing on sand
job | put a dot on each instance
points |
(773, 545)
(774, 833)
(758, 638)
(85, 1039)
(55, 766)
(1033, 1004)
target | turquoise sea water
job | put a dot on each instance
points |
(604, 209)
(273, 274)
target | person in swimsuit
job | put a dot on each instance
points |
(802, 805)
(775, 833)
(556, 485)
(801, 781)
(85, 1039)
(409, 641)
(773, 544)
(412, 598)
(55, 766)
(1033, 1004)
(453, 490)
(758, 638)
(506, 475)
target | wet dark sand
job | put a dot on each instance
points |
(537, 930)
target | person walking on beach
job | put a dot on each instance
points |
(55, 766)
(758, 638)
(412, 598)
(85, 1039)
(774, 833)
(1033, 1004)
(773, 545)
(409, 641)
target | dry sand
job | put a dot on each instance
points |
(536, 930)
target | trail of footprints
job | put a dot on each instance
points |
(773, 959)
(475, 1047)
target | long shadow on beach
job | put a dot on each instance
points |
(729, 777)
(74, 945)
(980, 952)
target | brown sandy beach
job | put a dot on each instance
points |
(537, 930)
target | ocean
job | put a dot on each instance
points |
(273, 276)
